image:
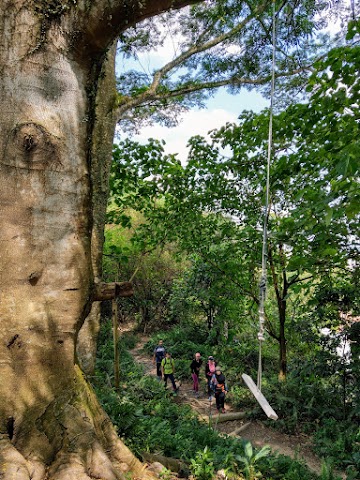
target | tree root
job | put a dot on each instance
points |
(172, 464)
(81, 443)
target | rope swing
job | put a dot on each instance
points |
(256, 389)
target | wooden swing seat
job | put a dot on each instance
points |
(264, 404)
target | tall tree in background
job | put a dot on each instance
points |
(53, 176)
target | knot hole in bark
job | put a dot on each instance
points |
(29, 142)
(14, 342)
(37, 147)
(10, 427)
(34, 278)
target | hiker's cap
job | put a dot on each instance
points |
(211, 358)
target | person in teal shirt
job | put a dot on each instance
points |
(168, 370)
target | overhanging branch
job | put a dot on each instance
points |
(129, 103)
(102, 21)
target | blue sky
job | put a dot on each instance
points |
(220, 109)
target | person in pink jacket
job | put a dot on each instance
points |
(195, 372)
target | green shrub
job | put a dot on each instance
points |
(314, 398)
(249, 460)
(202, 466)
(281, 467)
(339, 442)
(241, 397)
(129, 340)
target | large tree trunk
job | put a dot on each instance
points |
(102, 141)
(51, 53)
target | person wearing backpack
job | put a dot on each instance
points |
(168, 370)
(159, 354)
(218, 383)
(209, 372)
(195, 372)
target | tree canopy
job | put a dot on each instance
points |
(216, 44)
(216, 198)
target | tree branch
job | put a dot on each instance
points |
(298, 280)
(199, 48)
(152, 94)
(101, 21)
(223, 272)
(271, 331)
(129, 103)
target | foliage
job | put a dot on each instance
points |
(216, 199)
(180, 342)
(217, 44)
(205, 293)
(165, 474)
(154, 423)
(315, 389)
(202, 466)
(149, 420)
(320, 399)
(152, 272)
(340, 443)
(285, 468)
(250, 460)
(314, 392)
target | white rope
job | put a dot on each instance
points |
(263, 279)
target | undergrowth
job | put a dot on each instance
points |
(149, 420)
(319, 397)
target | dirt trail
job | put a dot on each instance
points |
(297, 447)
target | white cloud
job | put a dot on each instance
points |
(195, 122)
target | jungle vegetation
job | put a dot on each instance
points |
(190, 236)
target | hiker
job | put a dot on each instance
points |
(159, 354)
(218, 383)
(195, 372)
(168, 370)
(209, 372)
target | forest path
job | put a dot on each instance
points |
(296, 447)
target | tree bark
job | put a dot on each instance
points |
(172, 464)
(282, 338)
(51, 55)
(282, 304)
(101, 157)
